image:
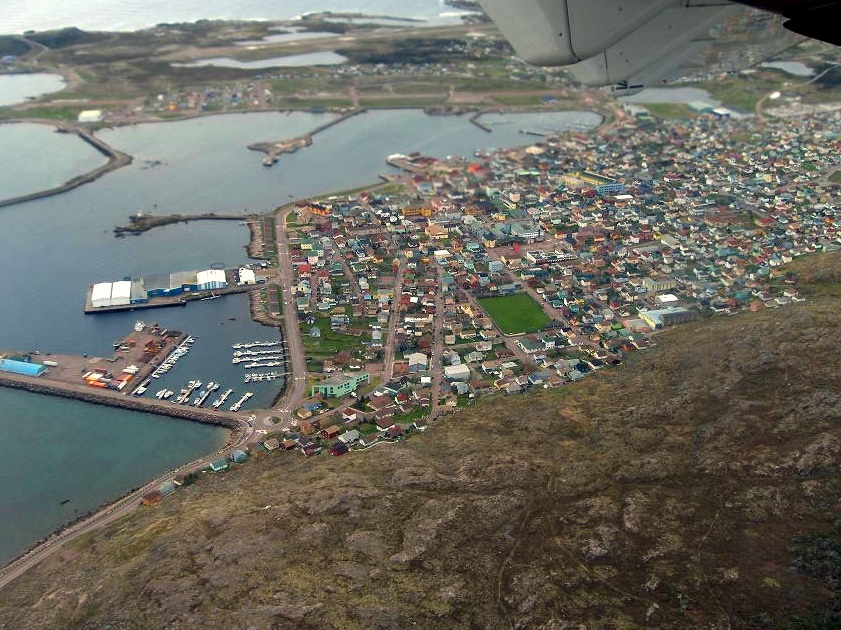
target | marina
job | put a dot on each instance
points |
(221, 400)
(256, 377)
(100, 380)
(169, 362)
(236, 406)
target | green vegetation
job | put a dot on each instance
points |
(62, 38)
(515, 313)
(67, 113)
(515, 100)
(670, 110)
(739, 92)
(331, 341)
(391, 102)
(10, 45)
(835, 178)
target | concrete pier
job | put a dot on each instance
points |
(65, 372)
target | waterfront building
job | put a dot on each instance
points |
(246, 276)
(22, 367)
(210, 279)
(104, 294)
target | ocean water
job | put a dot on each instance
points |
(59, 245)
(128, 15)
(62, 458)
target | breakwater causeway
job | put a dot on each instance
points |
(116, 159)
(51, 388)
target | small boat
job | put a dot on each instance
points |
(139, 326)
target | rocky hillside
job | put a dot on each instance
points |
(697, 486)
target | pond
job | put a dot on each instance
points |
(325, 58)
(18, 88)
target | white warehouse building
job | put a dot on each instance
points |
(211, 279)
(246, 276)
(121, 293)
(101, 294)
(111, 294)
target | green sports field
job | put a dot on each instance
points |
(515, 313)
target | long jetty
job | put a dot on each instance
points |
(122, 401)
(274, 149)
(116, 159)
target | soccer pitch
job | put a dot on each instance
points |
(515, 313)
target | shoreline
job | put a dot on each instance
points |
(239, 433)
(117, 159)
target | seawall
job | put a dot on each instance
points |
(123, 401)
(116, 159)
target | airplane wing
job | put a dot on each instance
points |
(633, 44)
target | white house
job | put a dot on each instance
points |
(246, 276)
(458, 372)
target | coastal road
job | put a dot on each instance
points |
(297, 390)
(108, 514)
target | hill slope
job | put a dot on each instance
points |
(695, 486)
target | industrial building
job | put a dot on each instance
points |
(111, 294)
(211, 279)
(22, 367)
(246, 276)
(668, 316)
(139, 290)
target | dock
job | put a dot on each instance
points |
(98, 380)
(181, 299)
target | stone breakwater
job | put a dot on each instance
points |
(116, 159)
(237, 426)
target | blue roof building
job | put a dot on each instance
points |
(22, 367)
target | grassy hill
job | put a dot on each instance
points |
(696, 486)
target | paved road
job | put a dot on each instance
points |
(297, 390)
(103, 517)
(393, 320)
(436, 365)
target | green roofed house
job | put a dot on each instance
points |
(219, 465)
(339, 384)
(166, 488)
(21, 367)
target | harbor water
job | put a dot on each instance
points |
(58, 246)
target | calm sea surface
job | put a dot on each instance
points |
(53, 248)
